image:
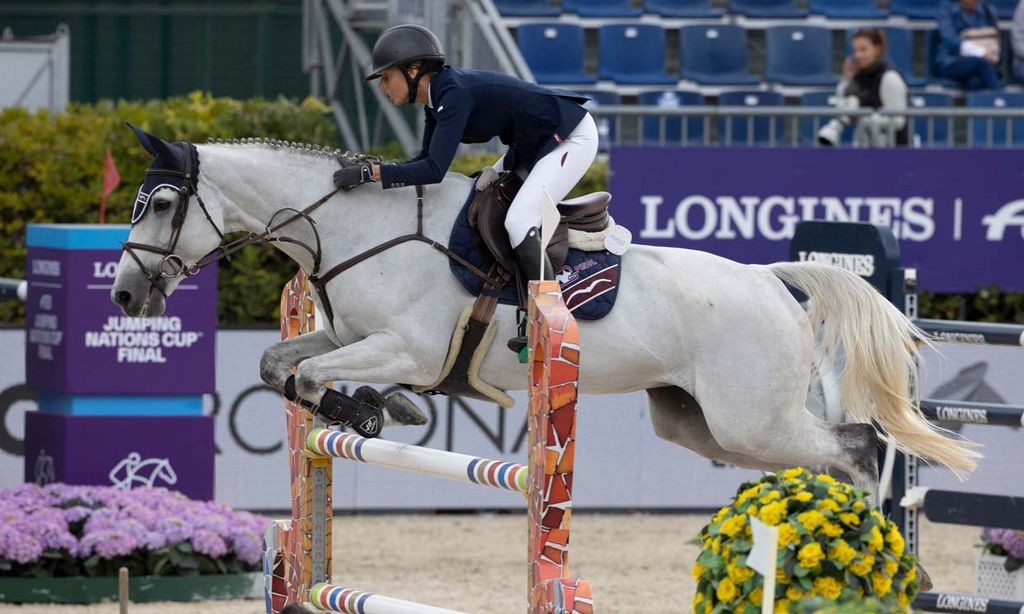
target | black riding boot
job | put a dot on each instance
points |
(528, 263)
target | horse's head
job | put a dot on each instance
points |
(165, 242)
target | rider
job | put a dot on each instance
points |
(551, 138)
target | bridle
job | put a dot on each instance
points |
(178, 268)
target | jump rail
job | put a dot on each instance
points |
(297, 562)
(969, 412)
(13, 288)
(956, 602)
(955, 331)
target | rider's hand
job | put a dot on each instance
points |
(487, 176)
(348, 177)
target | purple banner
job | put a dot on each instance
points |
(958, 214)
(175, 452)
(80, 343)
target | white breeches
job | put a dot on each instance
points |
(558, 171)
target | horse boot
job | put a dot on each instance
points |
(528, 262)
(365, 418)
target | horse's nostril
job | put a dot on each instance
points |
(123, 297)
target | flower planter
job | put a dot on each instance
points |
(992, 579)
(141, 589)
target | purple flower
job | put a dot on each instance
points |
(207, 542)
(108, 543)
(18, 546)
(1012, 541)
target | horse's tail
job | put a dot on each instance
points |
(879, 344)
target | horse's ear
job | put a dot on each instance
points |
(155, 145)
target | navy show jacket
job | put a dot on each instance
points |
(474, 106)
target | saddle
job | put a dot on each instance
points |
(487, 212)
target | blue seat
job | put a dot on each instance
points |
(715, 55)
(668, 129)
(605, 125)
(689, 9)
(932, 131)
(527, 8)
(799, 55)
(809, 126)
(916, 9)
(742, 131)
(1004, 8)
(554, 52)
(848, 9)
(601, 8)
(900, 42)
(767, 9)
(633, 54)
(1005, 132)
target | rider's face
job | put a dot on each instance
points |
(394, 86)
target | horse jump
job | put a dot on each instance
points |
(297, 561)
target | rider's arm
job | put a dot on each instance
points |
(430, 166)
(428, 133)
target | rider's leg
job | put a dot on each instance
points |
(557, 172)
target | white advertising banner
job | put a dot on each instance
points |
(620, 463)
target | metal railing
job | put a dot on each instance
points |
(773, 126)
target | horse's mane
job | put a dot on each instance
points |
(295, 147)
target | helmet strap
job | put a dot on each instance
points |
(413, 82)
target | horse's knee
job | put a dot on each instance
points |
(860, 441)
(308, 380)
(271, 371)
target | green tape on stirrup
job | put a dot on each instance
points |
(524, 354)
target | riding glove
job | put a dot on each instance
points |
(349, 177)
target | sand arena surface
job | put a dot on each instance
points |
(638, 563)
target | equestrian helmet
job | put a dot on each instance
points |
(402, 44)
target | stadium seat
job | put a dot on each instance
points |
(932, 131)
(767, 9)
(900, 42)
(736, 131)
(715, 55)
(689, 9)
(605, 125)
(809, 126)
(554, 52)
(848, 9)
(527, 8)
(601, 8)
(668, 129)
(799, 55)
(633, 54)
(1003, 8)
(982, 127)
(916, 9)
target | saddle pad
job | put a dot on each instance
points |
(589, 280)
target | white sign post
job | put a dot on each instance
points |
(762, 559)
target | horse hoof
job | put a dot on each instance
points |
(402, 411)
(926, 580)
(369, 395)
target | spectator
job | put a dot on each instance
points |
(969, 44)
(869, 81)
(1017, 38)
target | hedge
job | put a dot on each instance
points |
(51, 168)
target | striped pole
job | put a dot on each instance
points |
(439, 463)
(339, 599)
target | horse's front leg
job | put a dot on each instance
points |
(279, 359)
(379, 358)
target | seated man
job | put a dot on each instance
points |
(1017, 38)
(969, 45)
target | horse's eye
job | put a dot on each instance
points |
(161, 205)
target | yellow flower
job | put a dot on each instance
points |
(826, 478)
(850, 519)
(842, 552)
(877, 515)
(781, 606)
(751, 510)
(810, 556)
(881, 585)
(753, 491)
(780, 576)
(803, 496)
(716, 545)
(697, 571)
(895, 541)
(773, 513)
(858, 506)
(788, 535)
(756, 595)
(891, 567)
(697, 599)
(862, 566)
(726, 591)
(811, 519)
(875, 542)
(904, 602)
(828, 587)
(793, 593)
(911, 575)
(794, 473)
(831, 529)
(772, 495)
(838, 495)
(828, 505)
(739, 573)
(719, 515)
(734, 524)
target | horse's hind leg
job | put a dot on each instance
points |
(678, 418)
